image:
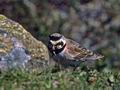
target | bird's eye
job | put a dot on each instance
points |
(59, 46)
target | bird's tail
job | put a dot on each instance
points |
(95, 57)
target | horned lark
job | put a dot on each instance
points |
(69, 53)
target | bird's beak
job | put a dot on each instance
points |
(53, 48)
(54, 53)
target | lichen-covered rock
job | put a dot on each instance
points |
(18, 48)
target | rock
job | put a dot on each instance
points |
(19, 49)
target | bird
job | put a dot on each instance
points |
(69, 53)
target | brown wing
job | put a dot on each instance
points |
(77, 52)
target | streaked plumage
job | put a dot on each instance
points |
(69, 53)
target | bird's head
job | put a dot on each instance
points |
(56, 43)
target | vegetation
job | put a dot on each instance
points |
(62, 80)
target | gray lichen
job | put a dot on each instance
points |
(17, 58)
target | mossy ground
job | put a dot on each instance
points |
(62, 80)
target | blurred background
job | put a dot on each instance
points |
(95, 24)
